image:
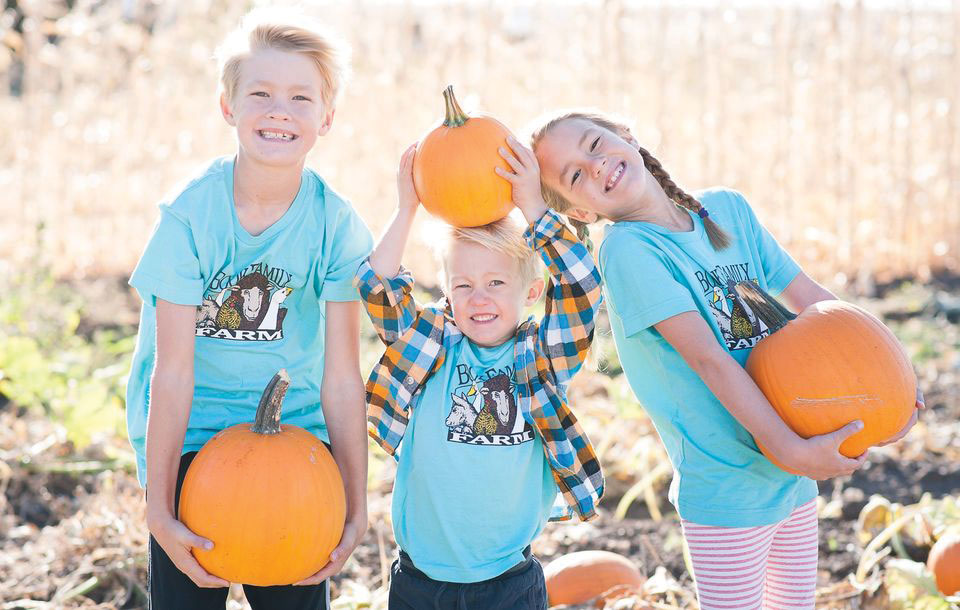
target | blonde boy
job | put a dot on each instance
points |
(477, 396)
(249, 270)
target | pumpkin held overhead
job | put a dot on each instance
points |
(453, 168)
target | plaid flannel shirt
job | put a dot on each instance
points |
(546, 357)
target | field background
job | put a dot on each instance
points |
(840, 121)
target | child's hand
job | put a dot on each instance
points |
(819, 457)
(525, 179)
(353, 532)
(407, 193)
(176, 541)
(913, 419)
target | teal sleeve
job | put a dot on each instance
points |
(350, 244)
(640, 286)
(779, 268)
(169, 267)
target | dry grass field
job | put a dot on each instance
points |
(840, 121)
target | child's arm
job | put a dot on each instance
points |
(343, 398)
(573, 295)
(171, 395)
(386, 255)
(385, 288)
(817, 457)
(803, 291)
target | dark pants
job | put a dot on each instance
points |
(171, 589)
(520, 588)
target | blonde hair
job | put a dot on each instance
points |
(504, 236)
(284, 31)
(719, 238)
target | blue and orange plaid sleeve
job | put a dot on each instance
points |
(571, 455)
(389, 301)
(573, 295)
(414, 337)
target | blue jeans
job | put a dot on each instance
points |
(520, 588)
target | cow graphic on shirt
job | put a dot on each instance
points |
(484, 411)
(245, 307)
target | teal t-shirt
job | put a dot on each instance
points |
(473, 486)
(651, 274)
(260, 301)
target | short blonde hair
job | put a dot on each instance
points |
(504, 236)
(284, 31)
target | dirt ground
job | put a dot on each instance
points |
(72, 528)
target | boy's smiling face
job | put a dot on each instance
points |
(487, 292)
(277, 107)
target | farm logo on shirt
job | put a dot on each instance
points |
(740, 327)
(484, 411)
(245, 306)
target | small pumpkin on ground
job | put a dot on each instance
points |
(832, 364)
(269, 497)
(453, 170)
(944, 562)
(576, 578)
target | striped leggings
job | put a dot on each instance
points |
(749, 568)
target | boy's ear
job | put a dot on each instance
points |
(226, 110)
(582, 215)
(327, 122)
(534, 291)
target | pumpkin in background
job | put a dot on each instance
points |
(269, 497)
(453, 170)
(944, 562)
(832, 364)
(579, 577)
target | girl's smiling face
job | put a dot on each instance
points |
(595, 169)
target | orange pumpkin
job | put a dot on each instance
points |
(832, 364)
(453, 170)
(576, 578)
(269, 497)
(944, 562)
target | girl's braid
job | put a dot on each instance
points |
(719, 238)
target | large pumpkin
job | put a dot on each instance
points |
(269, 497)
(579, 577)
(453, 170)
(832, 364)
(944, 562)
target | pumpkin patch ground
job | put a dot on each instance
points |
(72, 523)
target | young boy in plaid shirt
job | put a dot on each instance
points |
(478, 398)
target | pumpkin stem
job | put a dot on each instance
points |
(765, 307)
(456, 117)
(271, 404)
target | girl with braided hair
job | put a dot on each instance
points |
(669, 260)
